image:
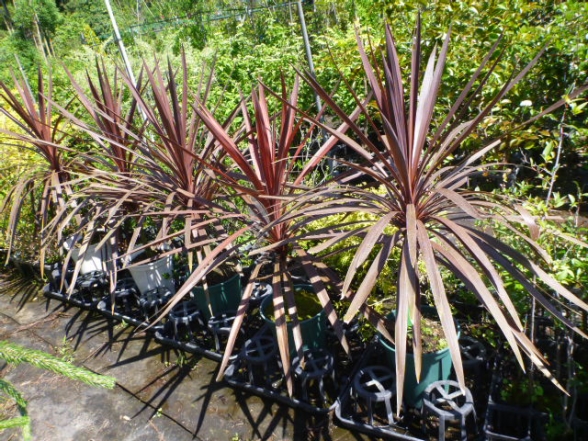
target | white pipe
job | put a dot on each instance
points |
(120, 43)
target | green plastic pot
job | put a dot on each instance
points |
(314, 335)
(436, 366)
(224, 297)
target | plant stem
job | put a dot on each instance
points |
(553, 174)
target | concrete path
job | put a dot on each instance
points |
(161, 395)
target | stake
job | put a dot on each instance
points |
(308, 52)
(120, 43)
(123, 53)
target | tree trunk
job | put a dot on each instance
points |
(39, 38)
(7, 17)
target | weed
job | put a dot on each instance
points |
(65, 350)
(121, 326)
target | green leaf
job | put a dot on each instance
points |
(22, 421)
(17, 354)
(548, 151)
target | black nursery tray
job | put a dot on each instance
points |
(201, 345)
(268, 381)
(73, 299)
(348, 416)
(506, 421)
(236, 379)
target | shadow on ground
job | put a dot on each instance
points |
(161, 394)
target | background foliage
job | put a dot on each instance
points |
(249, 40)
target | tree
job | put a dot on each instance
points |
(37, 20)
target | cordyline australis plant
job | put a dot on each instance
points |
(115, 136)
(168, 178)
(430, 208)
(179, 160)
(115, 120)
(161, 165)
(39, 130)
(270, 176)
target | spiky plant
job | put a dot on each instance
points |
(430, 208)
(38, 129)
(271, 167)
(116, 132)
(171, 154)
(116, 120)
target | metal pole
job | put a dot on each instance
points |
(120, 43)
(308, 52)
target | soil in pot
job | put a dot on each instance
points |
(313, 320)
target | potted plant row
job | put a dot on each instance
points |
(248, 188)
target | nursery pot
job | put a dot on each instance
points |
(152, 275)
(93, 259)
(314, 329)
(224, 297)
(436, 366)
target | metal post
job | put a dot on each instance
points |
(308, 52)
(120, 43)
